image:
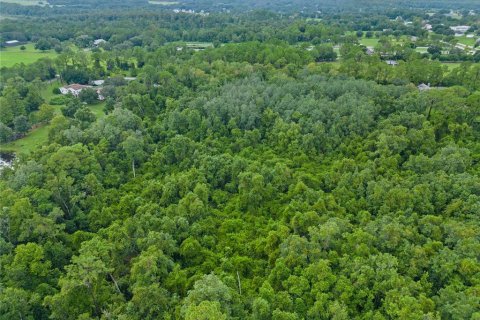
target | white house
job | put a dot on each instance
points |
(12, 42)
(424, 87)
(98, 42)
(98, 82)
(392, 63)
(73, 89)
(460, 30)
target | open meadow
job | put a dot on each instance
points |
(14, 55)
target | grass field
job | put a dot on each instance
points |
(30, 142)
(421, 49)
(466, 41)
(337, 51)
(369, 42)
(451, 65)
(13, 55)
(199, 45)
(39, 136)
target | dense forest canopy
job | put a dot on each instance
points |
(240, 165)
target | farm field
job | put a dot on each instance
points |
(14, 55)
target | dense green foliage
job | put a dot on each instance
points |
(282, 198)
(263, 179)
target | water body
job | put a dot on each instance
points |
(6, 159)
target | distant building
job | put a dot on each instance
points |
(427, 27)
(12, 42)
(392, 63)
(370, 51)
(98, 82)
(424, 87)
(460, 30)
(130, 78)
(73, 89)
(99, 42)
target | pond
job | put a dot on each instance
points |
(6, 159)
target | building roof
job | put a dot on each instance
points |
(76, 86)
(391, 62)
(423, 87)
(98, 41)
(12, 42)
(98, 82)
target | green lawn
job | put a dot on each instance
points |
(421, 49)
(451, 65)
(13, 55)
(39, 136)
(97, 110)
(466, 41)
(337, 51)
(199, 45)
(369, 42)
(30, 142)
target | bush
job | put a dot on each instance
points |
(89, 96)
(6, 134)
(23, 48)
(56, 90)
(60, 100)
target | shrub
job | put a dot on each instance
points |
(59, 100)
